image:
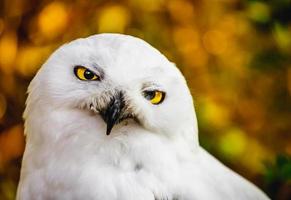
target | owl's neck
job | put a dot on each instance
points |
(74, 137)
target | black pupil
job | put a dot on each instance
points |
(88, 74)
(149, 95)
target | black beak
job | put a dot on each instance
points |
(113, 113)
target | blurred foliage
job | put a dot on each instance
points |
(235, 55)
(278, 177)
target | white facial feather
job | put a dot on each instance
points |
(154, 154)
(126, 63)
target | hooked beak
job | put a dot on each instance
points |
(113, 113)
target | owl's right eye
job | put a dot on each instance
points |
(85, 74)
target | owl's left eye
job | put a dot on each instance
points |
(85, 74)
(155, 96)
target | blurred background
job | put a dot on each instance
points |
(235, 55)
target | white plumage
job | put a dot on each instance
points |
(152, 152)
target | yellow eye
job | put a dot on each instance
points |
(85, 74)
(155, 97)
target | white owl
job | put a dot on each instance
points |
(108, 117)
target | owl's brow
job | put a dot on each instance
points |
(99, 70)
(150, 84)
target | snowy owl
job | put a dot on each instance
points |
(109, 117)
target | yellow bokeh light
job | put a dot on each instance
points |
(239, 148)
(186, 38)
(199, 57)
(113, 18)
(254, 155)
(182, 11)
(233, 143)
(53, 20)
(8, 50)
(187, 41)
(215, 114)
(29, 59)
(282, 36)
(259, 11)
(215, 42)
(228, 23)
